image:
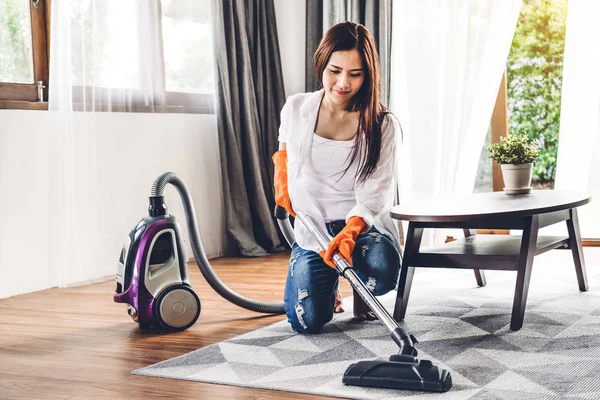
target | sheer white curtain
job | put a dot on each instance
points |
(111, 55)
(104, 58)
(134, 55)
(578, 164)
(106, 55)
(448, 57)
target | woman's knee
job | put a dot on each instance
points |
(378, 263)
(307, 316)
(309, 293)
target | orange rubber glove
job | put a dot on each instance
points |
(280, 178)
(344, 241)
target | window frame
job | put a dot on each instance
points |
(25, 95)
(499, 128)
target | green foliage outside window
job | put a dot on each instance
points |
(534, 73)
(16, 58)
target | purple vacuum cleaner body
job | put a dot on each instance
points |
(152, 276)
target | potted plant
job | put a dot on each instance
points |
(515, 153)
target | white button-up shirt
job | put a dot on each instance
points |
(315, 184)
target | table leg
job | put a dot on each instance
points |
(576, 248)
(479, 274)
(413, 242)
(528, 248)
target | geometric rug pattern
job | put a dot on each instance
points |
(465, 329)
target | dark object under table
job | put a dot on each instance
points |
(527, 212)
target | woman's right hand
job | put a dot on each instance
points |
(280, 181)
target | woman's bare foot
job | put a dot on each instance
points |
(337, 306)
(362, 312)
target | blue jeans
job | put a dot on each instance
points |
(311, 284)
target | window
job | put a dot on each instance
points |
(534, 72)
(532, 91)
(23, 53)
(154, 56)
(186, 32)
(187, 38)
(125, 56)
(104, 44)
(17, 59)
(484, 179)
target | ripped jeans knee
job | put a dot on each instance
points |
(309, 291)
(298, 320)
(377, 262)
(307, 317)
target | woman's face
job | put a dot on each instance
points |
(343, 76)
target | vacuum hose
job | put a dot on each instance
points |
(199, 254)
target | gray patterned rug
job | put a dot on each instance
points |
(459, 326)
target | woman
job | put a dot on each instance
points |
(336, 162)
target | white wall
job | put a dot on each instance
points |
(116, 157)
(291, 30)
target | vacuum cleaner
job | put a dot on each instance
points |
(152, 280)
(152, 276)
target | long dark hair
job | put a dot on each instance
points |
(348, 36)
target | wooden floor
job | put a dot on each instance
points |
(76, 343)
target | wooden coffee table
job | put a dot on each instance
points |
(528, 212)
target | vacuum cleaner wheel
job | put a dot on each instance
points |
(177, 307)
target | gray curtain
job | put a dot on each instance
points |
(375, 15)
(250, 95)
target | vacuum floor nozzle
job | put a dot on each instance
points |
(418, 375)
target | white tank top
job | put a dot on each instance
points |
(331, 190)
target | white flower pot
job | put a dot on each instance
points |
(517, 178)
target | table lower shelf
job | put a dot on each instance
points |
(494, 252)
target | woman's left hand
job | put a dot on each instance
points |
(344, 241)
